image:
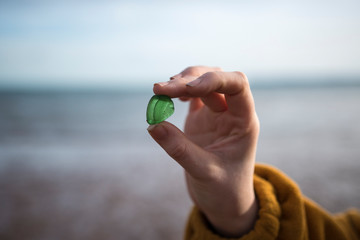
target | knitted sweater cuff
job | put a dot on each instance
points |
(267, 224)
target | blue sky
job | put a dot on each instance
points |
(90, 43)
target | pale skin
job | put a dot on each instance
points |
(218, 146)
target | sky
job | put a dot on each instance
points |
(121, 43)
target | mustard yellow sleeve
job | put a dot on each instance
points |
(283, 214)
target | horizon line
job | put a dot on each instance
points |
(142, 87)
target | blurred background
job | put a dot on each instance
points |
(76, 161)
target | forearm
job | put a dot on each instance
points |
(228, 200)
(283, 214)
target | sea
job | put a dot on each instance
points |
(79, 164)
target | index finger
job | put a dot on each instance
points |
(176, 87)
(234, 85)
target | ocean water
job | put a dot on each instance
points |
(79, 165)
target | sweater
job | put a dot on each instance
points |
(284, 213)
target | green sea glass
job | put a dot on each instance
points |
(160, 107)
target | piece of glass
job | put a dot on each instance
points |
(160, 107)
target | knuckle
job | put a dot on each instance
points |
(178, 151)
(211, 75)
(242, 79)
(214, 81)
(200, 70)
(241, 76)
(192, 70)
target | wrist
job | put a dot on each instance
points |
(237, 224)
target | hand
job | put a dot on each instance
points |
(217, 149)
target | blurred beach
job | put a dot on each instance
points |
(81, 165)
(76, 160)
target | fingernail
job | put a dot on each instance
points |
(151, 127)
(175, 77)
(194, 83)
(162, 84)
(157, 131)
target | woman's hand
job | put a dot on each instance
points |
(218, 147)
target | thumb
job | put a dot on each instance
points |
(190, 156)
